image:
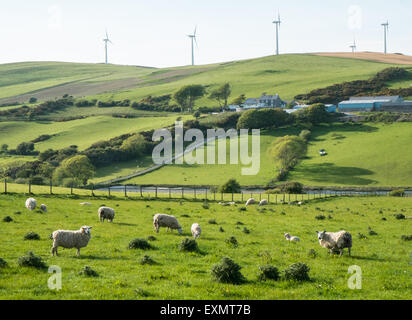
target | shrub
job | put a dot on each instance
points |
(407, 238)
(372, 233)
(88, 272)
(147, 260)
(212, 221)
(397, 193)
(361, 236)
(291, 188)
(320, 217)
(246, 230)
(312, 253)
(140, 244)
(31, 260)
(268, 273)
(297, 272)
(205, 205)
(151, 238)
(400, 216)
(221, 229)
(228, 271)
(189, 245)
(31, 236)
(3, 263)
(7, 219)
(231, 186)
(232, 242)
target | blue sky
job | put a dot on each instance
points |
(153, 32)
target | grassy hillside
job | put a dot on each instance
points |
(182, 275)
(358, 155)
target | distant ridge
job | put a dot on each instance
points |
(395, 58)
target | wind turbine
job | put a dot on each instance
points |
(106, 40)
(193, 38)
(277, 23)
(385, 33)
(353, 46)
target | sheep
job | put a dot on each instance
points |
(291, 238)
(166, 221)
(196, 230)
(224, 204)
(43, 207)
(264, 202)
(71, 239)
(85, 204)
(250, 201)
(335, 241)
(106, 213)
(31, 204)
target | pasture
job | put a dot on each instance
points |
(385, 259)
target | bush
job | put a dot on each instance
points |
(189, 245)
(397, 193)
(228, 272)
(31, 260)
(3, 263)
(232, 242)
(263, 119)
(221, 230)
(147, 260)
(212, 221)
(88, 272)
(231, 186)
(205, 205)
(407, 238)
(246, 230)
(305, 135)
(151, 238)
(7, 219)
(320, 217)
(400, 216)
(31, 236)
(312, 253)
(291, 188)
(139, 244)
(297, 272)
(268, 273)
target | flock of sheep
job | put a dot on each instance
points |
(336, 242)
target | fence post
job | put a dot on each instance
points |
(268, 198)
(170, 193)
(276, 199)
(141, 191)
(92, 190)
(214, 195)
(109, 191)
(29, 186)
(183, 192)
(156, 192)
(51, 186)
(206, 195)
(125, 191)
(221, 196)
(260, 196)
(242, 196)
(233, 195)
(194, 191)
(71, 188)
(5, 186)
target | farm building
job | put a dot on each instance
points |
(368, 104)
(271, 101)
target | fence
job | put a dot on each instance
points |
(186, 193)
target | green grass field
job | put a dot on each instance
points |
(385, 259)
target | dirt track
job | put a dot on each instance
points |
(372, 56)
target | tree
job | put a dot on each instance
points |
(32, 100)
(286, 151)
(197, 114)
(25, 148)
(263, 119)
(239, 101)
(46, 170)
(231, 186)
(221, 94)
(4, 148)
(135, 145)
(187, 96)
(305, 135)
(78, 168)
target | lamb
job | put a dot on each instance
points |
(71, 239)
(291, 238)
(264, 202)
(335, 241)
(106, 213)
(31, 204)
(166, 221)
(196, 230)
(43, 207)
(250, 201)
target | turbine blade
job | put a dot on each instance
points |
(195, 31)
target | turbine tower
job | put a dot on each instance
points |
(277, 23)
(193, 38)
(106, 40)
(353, 47)
(385, 33)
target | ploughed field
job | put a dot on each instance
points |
(385, 259)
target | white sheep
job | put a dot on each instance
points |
(166, 221)
(291, 238)
(85, 204)
(31, 204)
(335, 241)
(196, 230)
(71, 239)
(106, 213)
(263, 202)
(250, 201)
(43, 207)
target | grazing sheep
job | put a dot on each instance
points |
(264, 202)
(43, 207)
(250, 201)
(166, 221)
(335, 241)
(290, 238)
(31, 204)
(71, 239)
(85, 204)
(196, 230)
(106, 213)
(224, 204)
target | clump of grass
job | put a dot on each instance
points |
(7, 219)
(246, 230)
(213, 221)
(232, 242)
(31, 260)
(407, 238)
(361, 236)
(320, 217)
(400, 216)
(146, 260)
(330, 217)
(297, 272)
(17, 212)
(3, 263)
(189, 245)
(240, 223)
(151, 238)
(242, 209)
(185, 216)
(268, 272)
(221, 230)
(141, 293)
(205, 205)
(228, 271)
(88, 272)
(371, 232)
(139, 244)
(312, 253)
(384, 219)
(31, 236)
